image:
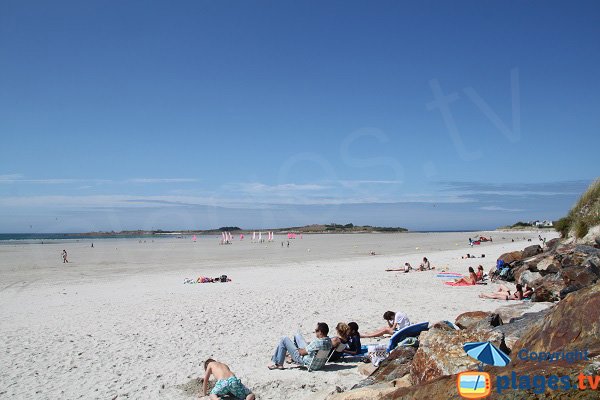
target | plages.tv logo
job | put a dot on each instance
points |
(473, 385)
(477, 384)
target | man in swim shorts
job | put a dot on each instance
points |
(227, 383)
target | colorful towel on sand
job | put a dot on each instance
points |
(450, 275)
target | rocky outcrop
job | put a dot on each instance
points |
(557, 272)
(511, 257)
(528, 278)
(513, 311)
(548, 265)
(441, 352)
(474, 319)
(572, 324)
(517, 327)
(531, 251)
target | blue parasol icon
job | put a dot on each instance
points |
(486, 353)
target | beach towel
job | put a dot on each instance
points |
(450, 276)
(458, 284)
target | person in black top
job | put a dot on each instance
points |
(354, 340)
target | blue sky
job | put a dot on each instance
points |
(198, 114)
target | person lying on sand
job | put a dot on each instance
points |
(302, 353)
(395, 321)
(227, 383)
(503, 293)
(406, 268)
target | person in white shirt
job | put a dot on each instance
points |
(395, 321)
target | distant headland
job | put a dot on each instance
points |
(315, 228)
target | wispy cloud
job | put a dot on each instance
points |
(574, 187)
(497, 208)
(357, 183)
(161, 180)
(284, 188)
(19, 178)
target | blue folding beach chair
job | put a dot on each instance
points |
(409, 331)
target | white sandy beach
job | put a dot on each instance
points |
(117, 321)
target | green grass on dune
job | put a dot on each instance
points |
(584, 214)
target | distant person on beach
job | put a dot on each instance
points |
(343, 335)
(64, 256)
(301, 352)
(425, 265)
(395, 321)
(227, 383)
(503, 293)
(354, 346)
(405, 269)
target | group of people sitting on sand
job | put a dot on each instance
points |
(303, 354)
(300, 352)
(424, 266)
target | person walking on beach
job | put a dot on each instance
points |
(227, 383)
(64, 256)
(301, 352)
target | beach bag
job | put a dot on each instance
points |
(377, 353)
(499, 264)
(507, 274)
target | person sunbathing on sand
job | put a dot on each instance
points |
(503, 293)
(471, 280)
(227, 383)
(395, 321)
(406, 268)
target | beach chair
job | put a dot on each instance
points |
(321, 355)
(340, 348)
(409, 331)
